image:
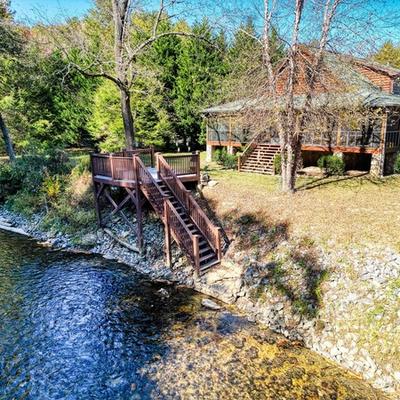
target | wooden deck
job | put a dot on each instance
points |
(158, 179)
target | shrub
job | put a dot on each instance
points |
(333, 165)
(51, 187)
(397, 164)
(278, 164)
(30, 170)
(222, 157)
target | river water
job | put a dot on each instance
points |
(79, 327)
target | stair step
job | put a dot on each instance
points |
(207, 257)
(205, 267)
(205, 250)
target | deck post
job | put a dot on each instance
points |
(97, 189)
(157, 162)
(167, 235)
(197, 160)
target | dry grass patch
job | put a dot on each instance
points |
(348, 211)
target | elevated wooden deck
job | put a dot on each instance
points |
(158, 179)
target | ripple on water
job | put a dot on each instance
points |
(74, 327)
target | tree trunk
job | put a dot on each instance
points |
(7, 139)
(129, 127)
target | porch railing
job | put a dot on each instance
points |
(346, 138)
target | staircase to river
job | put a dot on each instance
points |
(184, 220)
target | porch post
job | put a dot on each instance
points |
(378, 157)
(209, 152)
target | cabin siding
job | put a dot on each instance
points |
(379, 79)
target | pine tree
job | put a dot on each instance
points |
(201, 68)
(388, 54)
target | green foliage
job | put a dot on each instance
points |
(397, 164)
(51, 187)
(201, 67)
(388, 54)
(278, 164)
(333, 165)
(222, 157)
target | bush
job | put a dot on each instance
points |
(222, 157)
(397, 164)
(333, 165)
(278, 164)
(29, 172)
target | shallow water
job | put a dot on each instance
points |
(77, 327)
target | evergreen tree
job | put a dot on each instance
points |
(388, 54)
(201, 68)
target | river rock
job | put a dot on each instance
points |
(210, 304)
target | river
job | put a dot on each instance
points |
(82, 327)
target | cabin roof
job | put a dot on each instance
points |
(366, 98)
(360, 88)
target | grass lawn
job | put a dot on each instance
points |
(344, 211)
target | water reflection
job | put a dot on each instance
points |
(74, 327)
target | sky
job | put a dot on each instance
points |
(29, 10)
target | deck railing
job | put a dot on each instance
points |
(145, 154)
(206, 227)
(101, 165)
(185, 164)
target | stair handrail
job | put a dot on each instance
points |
(211, 232)
(248, 150)
(141, 170)
(165, 209)
(191, 249)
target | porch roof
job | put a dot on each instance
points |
(373, 98)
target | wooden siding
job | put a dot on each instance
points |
(379, 79)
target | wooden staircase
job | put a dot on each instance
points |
(183, 218)
(259, 159)
(207, 256)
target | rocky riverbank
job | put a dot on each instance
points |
(342, 304)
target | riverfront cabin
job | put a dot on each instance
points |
(159, 180)
(344, 83)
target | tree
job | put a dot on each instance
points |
(85, 44)
(200, 72)
(388, 54)
(10, 45)
(282, 114)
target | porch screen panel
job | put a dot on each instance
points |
(218, 130)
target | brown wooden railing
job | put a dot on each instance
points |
(181, 233)
(392, 140)
(172, 220)
(101, 165)
(185, 164)
(146, 155)
(149, 186)
(206, 227)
